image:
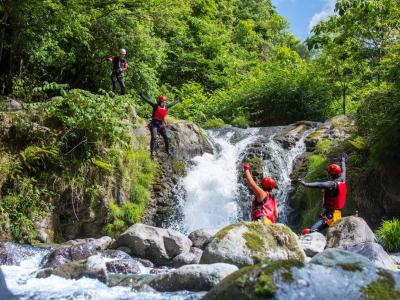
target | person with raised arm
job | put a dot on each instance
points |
(263, 206)
(334, 195)
(157, 123)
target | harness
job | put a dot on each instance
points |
(265, 208)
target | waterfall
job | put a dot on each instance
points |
(212, 194)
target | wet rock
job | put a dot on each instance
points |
(99, 244)
(193, 257)
(93, 267)
(68, 254)
(376, 254)
(123, 266)
(192, 277)
(247, 243)
(12, 253)
(313, 243)
(129, 280)
(115, 254)
(202, 237)
(331, 274)
(157, 244)
(348, 232)
(145, 262)
(161, 270)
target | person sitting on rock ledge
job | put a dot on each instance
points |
(157, 124)
(334, 196)
(263, 207)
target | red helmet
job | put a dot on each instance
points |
(162, 98)
(335, 170)
(268, 183)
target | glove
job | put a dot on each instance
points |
(343, 156)
(301, 181)
(246, 166)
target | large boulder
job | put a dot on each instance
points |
(123, 266)
(376, 254)
(313, 243)
(348, 232)
(99, 244)
(93, 267)
(187, 258)
(202, 237)
(157, 244)
(331, 274)
(247, 243)
(192, 277)
(64, 255)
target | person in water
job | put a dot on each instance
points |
(119, 66)
(157, 124)
(334, 195)
(263, 207)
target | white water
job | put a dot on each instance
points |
(211, 185)
(211, 189)
(284, 161)
(22, 282)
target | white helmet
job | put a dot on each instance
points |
(122, 51)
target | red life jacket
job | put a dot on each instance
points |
(160, 113)
(337, 199)
(265, 208)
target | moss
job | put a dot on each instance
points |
(214, 123)
(179, 167)
(322, 146)
(382, 289)
(351, 267)
(224, 231)
(254, 241)
(265, 286)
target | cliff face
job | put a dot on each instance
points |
(187, 141)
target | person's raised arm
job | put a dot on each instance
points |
(145, 99)
(260, 193)
(323, 185)
(173, 103)
(109, 58)
(343, 158)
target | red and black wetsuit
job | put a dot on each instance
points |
(119, 65)
(334, 198)
(265, 208)
(157, 122)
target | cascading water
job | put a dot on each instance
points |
(213, 195)
(210, 186)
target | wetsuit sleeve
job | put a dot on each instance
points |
(145, 99)
(323, 185)
(174, 103)
(343, 176)
(109, 58)
(260, 194)
(124, 66)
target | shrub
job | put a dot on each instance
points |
(389, 235)
(214, 123)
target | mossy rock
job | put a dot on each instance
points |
(254, 282)
(334, 274)
(248, 243)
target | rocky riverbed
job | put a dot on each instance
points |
(244, 261)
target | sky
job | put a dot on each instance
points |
(303, 14)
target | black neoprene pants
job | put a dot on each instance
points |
(154, 128)
(120, 79)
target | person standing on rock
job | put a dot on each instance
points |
(119, 66)
(263, 207)
(334, 196)
(157, 123)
